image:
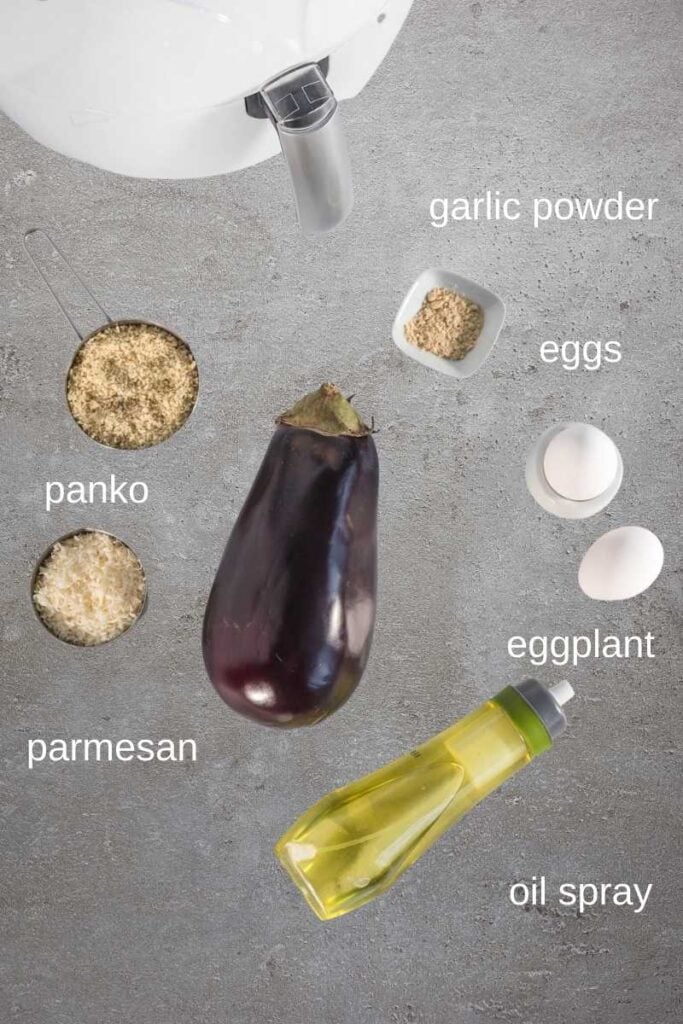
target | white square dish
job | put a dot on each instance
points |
(494, 316)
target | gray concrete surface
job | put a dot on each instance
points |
(149, 894)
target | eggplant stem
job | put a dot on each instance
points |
(326, 411)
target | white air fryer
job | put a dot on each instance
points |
(190, 88)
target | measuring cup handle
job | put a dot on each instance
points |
(32, 236)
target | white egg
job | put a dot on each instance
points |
(580, 462)
(620, 564)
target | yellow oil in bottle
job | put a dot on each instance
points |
(356, 841)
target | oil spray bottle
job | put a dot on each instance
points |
(354, 843)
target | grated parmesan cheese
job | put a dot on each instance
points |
(89, 589)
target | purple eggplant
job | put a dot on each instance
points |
(289, 622)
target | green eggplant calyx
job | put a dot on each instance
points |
(325, 411)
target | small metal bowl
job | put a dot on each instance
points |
(33, 237)
(44, 557)
(131, 323)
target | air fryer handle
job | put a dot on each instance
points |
(306, 116)
(319, 164)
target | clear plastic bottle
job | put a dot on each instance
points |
(355, 842)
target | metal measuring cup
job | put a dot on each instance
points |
(43, 559)
(32, 235)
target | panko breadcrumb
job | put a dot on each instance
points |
(132, 385)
